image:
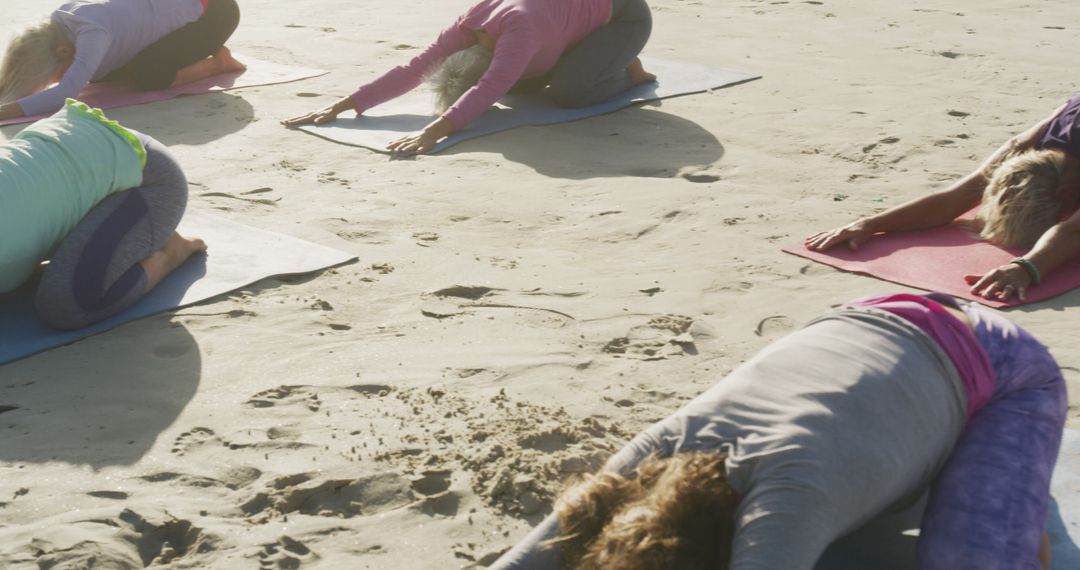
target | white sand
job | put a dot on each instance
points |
(338, 422)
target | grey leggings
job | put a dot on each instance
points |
(95, 272)
(594, 70)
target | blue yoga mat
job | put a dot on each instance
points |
(239, 255)
(412, 112)
(889, 543)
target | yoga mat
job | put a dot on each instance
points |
(239, 255)
(111, 95)
(889, 543)
(937, 260)
(411, 113)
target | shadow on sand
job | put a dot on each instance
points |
(661, 145)
(99, 402)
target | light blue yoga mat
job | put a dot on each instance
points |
(889, 544)
(238, 255)
(411, 113)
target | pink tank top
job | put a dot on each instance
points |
(951, 334)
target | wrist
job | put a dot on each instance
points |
(441, 127)
(1029, 268)
(871, 224)
(344, 105)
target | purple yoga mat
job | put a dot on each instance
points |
(937, 260)
(109, 96)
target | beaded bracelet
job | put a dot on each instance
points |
(1028, 266)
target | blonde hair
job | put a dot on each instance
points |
(31, 61)
(676, 513)
(457, 74)
(1021, 198)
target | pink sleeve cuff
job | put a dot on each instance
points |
(356, 103)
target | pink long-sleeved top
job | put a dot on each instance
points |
(530, 36)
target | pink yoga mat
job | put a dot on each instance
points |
(109, 96)
(937, 260)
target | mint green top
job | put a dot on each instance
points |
(51, 175)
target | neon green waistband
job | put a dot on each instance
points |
(98, 115)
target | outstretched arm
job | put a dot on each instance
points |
(932, 210)
(393, 83)
(90, 47)
(511, 56)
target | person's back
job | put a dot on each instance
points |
(51, 175)
(131, 25)
(554, 24)
(817, 450)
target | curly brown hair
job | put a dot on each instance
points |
(675, 513)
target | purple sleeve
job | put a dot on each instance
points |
(1061, 133)
(514, 49)
(91, 46)
(405, 78)
(988, 506)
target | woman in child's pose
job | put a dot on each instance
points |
(149, 44)
(857, 414)
(100, 203)
(583, 51)
(1029, 194)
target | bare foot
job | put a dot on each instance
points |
(228, 63)
(165, 260)
(221, 62)
(638, 75)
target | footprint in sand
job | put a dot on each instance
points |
(549, 442)
(193, 439)
(816, 269)
(286, 553)
(371, 390)
(445, 504)
(286, 395)
(164, 539)
(776, 325)
(184, 479)
(432, 483)
(341, 498)
(664, 336)
(730, 287)
(699, 175)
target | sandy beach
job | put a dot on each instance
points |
(523, 303)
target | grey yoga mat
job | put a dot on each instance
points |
(239, 255)
(889, 543)
(410, 113)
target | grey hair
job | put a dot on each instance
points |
(1021, 198)
(31, 61)
(457, 74)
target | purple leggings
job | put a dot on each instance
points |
(988, 507)
(95, 272)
